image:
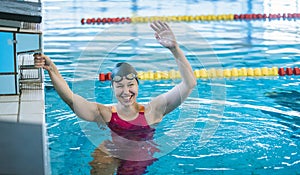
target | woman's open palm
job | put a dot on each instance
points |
(164, 34)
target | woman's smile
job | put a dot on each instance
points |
(127, 98)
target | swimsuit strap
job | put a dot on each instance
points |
(113, 109)
(141, 109)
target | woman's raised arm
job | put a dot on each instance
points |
(170, 100)
(84, 109)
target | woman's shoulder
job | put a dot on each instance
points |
(105, 111)
(152, 115)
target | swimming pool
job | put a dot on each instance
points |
(228, 126)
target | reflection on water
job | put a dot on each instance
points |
(290, 99)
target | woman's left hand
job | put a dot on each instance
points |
(164, 34)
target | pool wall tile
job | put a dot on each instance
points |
(8, 108)
(9, 118)
(32, 107)
(9, 98)
(32, 118)
(32, 95)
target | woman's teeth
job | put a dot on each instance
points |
(127, 98)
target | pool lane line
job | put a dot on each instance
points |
(213, 73)
(189, 18)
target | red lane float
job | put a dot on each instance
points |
(289, 71)
(105, 77)
(108, 76)
(281, 71)
(99, 21)
(265, 16)
(102, 77)
(296, 71)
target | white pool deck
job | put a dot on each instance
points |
(26, 109)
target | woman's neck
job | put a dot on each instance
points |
(128, 111)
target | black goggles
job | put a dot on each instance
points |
(130, 76)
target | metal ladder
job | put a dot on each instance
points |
(31, 78)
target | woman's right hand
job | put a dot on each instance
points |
(42, 61)
(164, 34)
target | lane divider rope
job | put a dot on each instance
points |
(186, 18)
(213, 73)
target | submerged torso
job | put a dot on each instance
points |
(136, 129)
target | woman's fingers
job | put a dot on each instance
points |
(163, 25)
(42, 61)
(154, 27)
(164, 34)
(39, 64)
(159, 26)
(39, 61)
(166, 25)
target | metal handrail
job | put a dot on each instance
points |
(30, 76)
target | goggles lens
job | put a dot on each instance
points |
(130, 76)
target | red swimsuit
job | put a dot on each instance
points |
(132, 142)
(136, 129)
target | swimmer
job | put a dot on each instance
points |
(127, 114)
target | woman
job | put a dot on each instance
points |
(127, 114)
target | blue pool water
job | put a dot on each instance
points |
(227, 126)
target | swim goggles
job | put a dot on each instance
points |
(130, 76)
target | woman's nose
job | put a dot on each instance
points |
(126, 89)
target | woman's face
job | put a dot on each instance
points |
(126, 91)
